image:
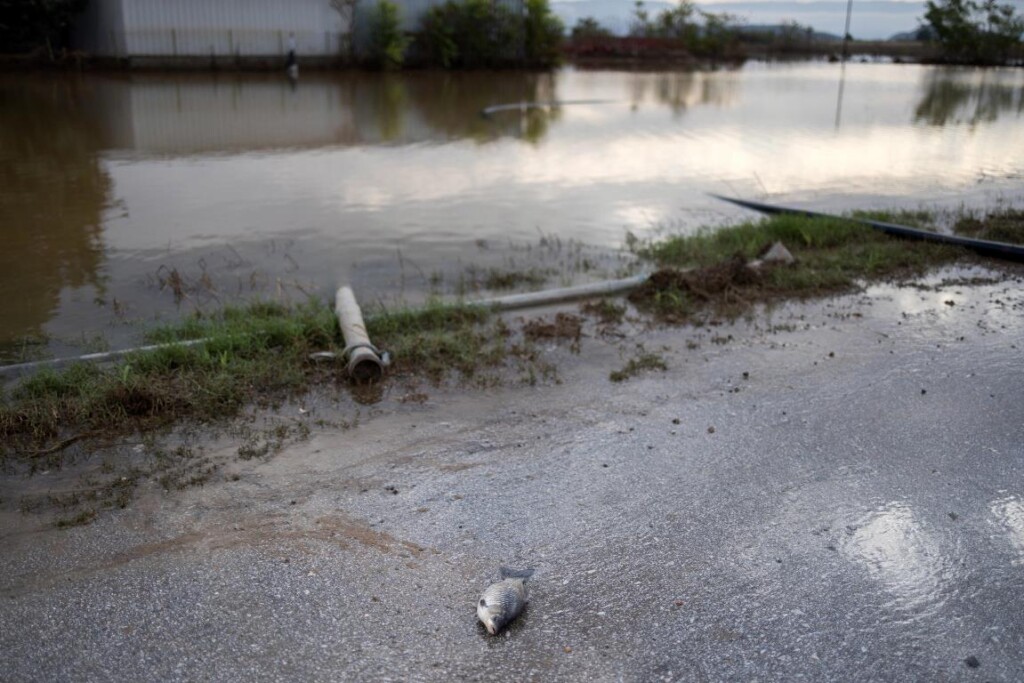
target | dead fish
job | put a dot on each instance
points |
(503, 601)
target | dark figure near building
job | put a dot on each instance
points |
(291, 63)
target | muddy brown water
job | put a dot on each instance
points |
(132, 198)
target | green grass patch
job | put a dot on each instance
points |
(643, 361)
(913, 218)
(1001, 226)
(438, 339)
(259, 354)
(251, 354)
(832, 256)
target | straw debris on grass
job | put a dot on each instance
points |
(605, 310)
(708, 270)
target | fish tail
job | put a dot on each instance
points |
(507, 573)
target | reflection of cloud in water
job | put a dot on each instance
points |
(1009, 517)
(895, 550)
(635, 214)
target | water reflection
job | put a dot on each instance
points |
(682, 90)
(891, 544)
(53, 192)
(967, 97)
(191, 114)
(451, 104)
(1009, 517)
(350, 166)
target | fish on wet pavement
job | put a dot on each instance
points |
(503, 601)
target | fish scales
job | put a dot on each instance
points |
(502, 602)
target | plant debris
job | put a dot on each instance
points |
(564, 326)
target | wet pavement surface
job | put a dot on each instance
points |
(836, 493)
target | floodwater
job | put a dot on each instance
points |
(129, 198)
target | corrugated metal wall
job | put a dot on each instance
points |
(203, 28)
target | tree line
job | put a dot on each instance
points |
(495, 33)
(468, 34)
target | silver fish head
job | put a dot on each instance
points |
(492, 616)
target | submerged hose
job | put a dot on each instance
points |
(518, 106)
(1000, 250)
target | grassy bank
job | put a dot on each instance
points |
(708, 272)
(261, 355)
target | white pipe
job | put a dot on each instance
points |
(364, 363)
(523, 106)
(556, 296)
(22, 368)
(363, 356)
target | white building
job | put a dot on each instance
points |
(218, 30)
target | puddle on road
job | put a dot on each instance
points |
(901, 554)
(1009, 518)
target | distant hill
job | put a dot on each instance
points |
(872, 19)
(779, 28)
(919, 33)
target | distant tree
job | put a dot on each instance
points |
(705, 33)
(676, 22)
(924, 34)
(475, 34)
(973, 32)
(387, 41)
(719, 33)
(589, 27)
(29, 24)
(791, 34)
(346, 9)
(543, 33)
(641, 24)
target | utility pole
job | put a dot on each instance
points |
(846, 33)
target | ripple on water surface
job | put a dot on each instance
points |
(903, 555)
(1008, 516)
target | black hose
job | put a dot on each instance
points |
(1000, 250)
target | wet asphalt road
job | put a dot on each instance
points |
(851, 509)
